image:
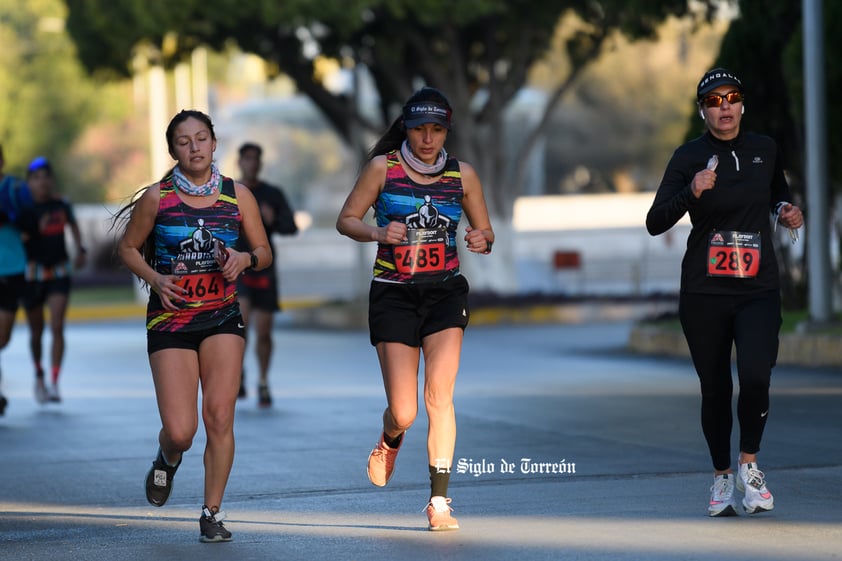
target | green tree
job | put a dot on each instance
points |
(628, 111)
(46, 98)
(479, 52)
(38, 113)
(754, 48)
(764, 46)
(462, 47)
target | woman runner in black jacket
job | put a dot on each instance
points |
(732, 184)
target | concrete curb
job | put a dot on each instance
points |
(813, 350)
(106, 312)
(120, 311)
(355, 315)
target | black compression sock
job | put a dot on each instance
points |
(439, 480)
(392, 442)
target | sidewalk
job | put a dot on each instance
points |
(796, 349)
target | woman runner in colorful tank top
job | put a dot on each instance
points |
(178, 240)
(418, 298)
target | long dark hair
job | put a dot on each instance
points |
(120, 221)
(120, 218)
(396, 133)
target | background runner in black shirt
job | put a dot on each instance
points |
(48, 270)
(258, 290)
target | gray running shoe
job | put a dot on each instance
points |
(40, 390)
(53, 395)
(264, 398)
(211, 529)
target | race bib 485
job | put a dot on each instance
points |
(423, 252)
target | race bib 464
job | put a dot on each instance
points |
(200, 276)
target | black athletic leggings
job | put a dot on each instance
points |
(711, 322)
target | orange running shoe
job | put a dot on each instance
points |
(438, 514)
(381, 462)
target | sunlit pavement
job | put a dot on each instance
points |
(622, 429)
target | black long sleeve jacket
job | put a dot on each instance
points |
(749, 185)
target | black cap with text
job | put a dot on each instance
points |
(420, 112)
(715, 78)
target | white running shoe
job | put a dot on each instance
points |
(722, 502)
(40, 391)
(52, 394)
(753, 482)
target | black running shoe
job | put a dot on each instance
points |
(264, 398)
(159, 480)
(210, 527)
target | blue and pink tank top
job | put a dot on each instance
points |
(432, 214)
(185, 240)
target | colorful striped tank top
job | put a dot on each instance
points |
(431, 213)
(185, 238)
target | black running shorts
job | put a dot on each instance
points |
(406, 313)
(11, 291)
(191, 340)
(260, 291)
(35, 293)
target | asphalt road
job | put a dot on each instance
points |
(622, 428)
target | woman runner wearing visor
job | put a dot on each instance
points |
(418, 298)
